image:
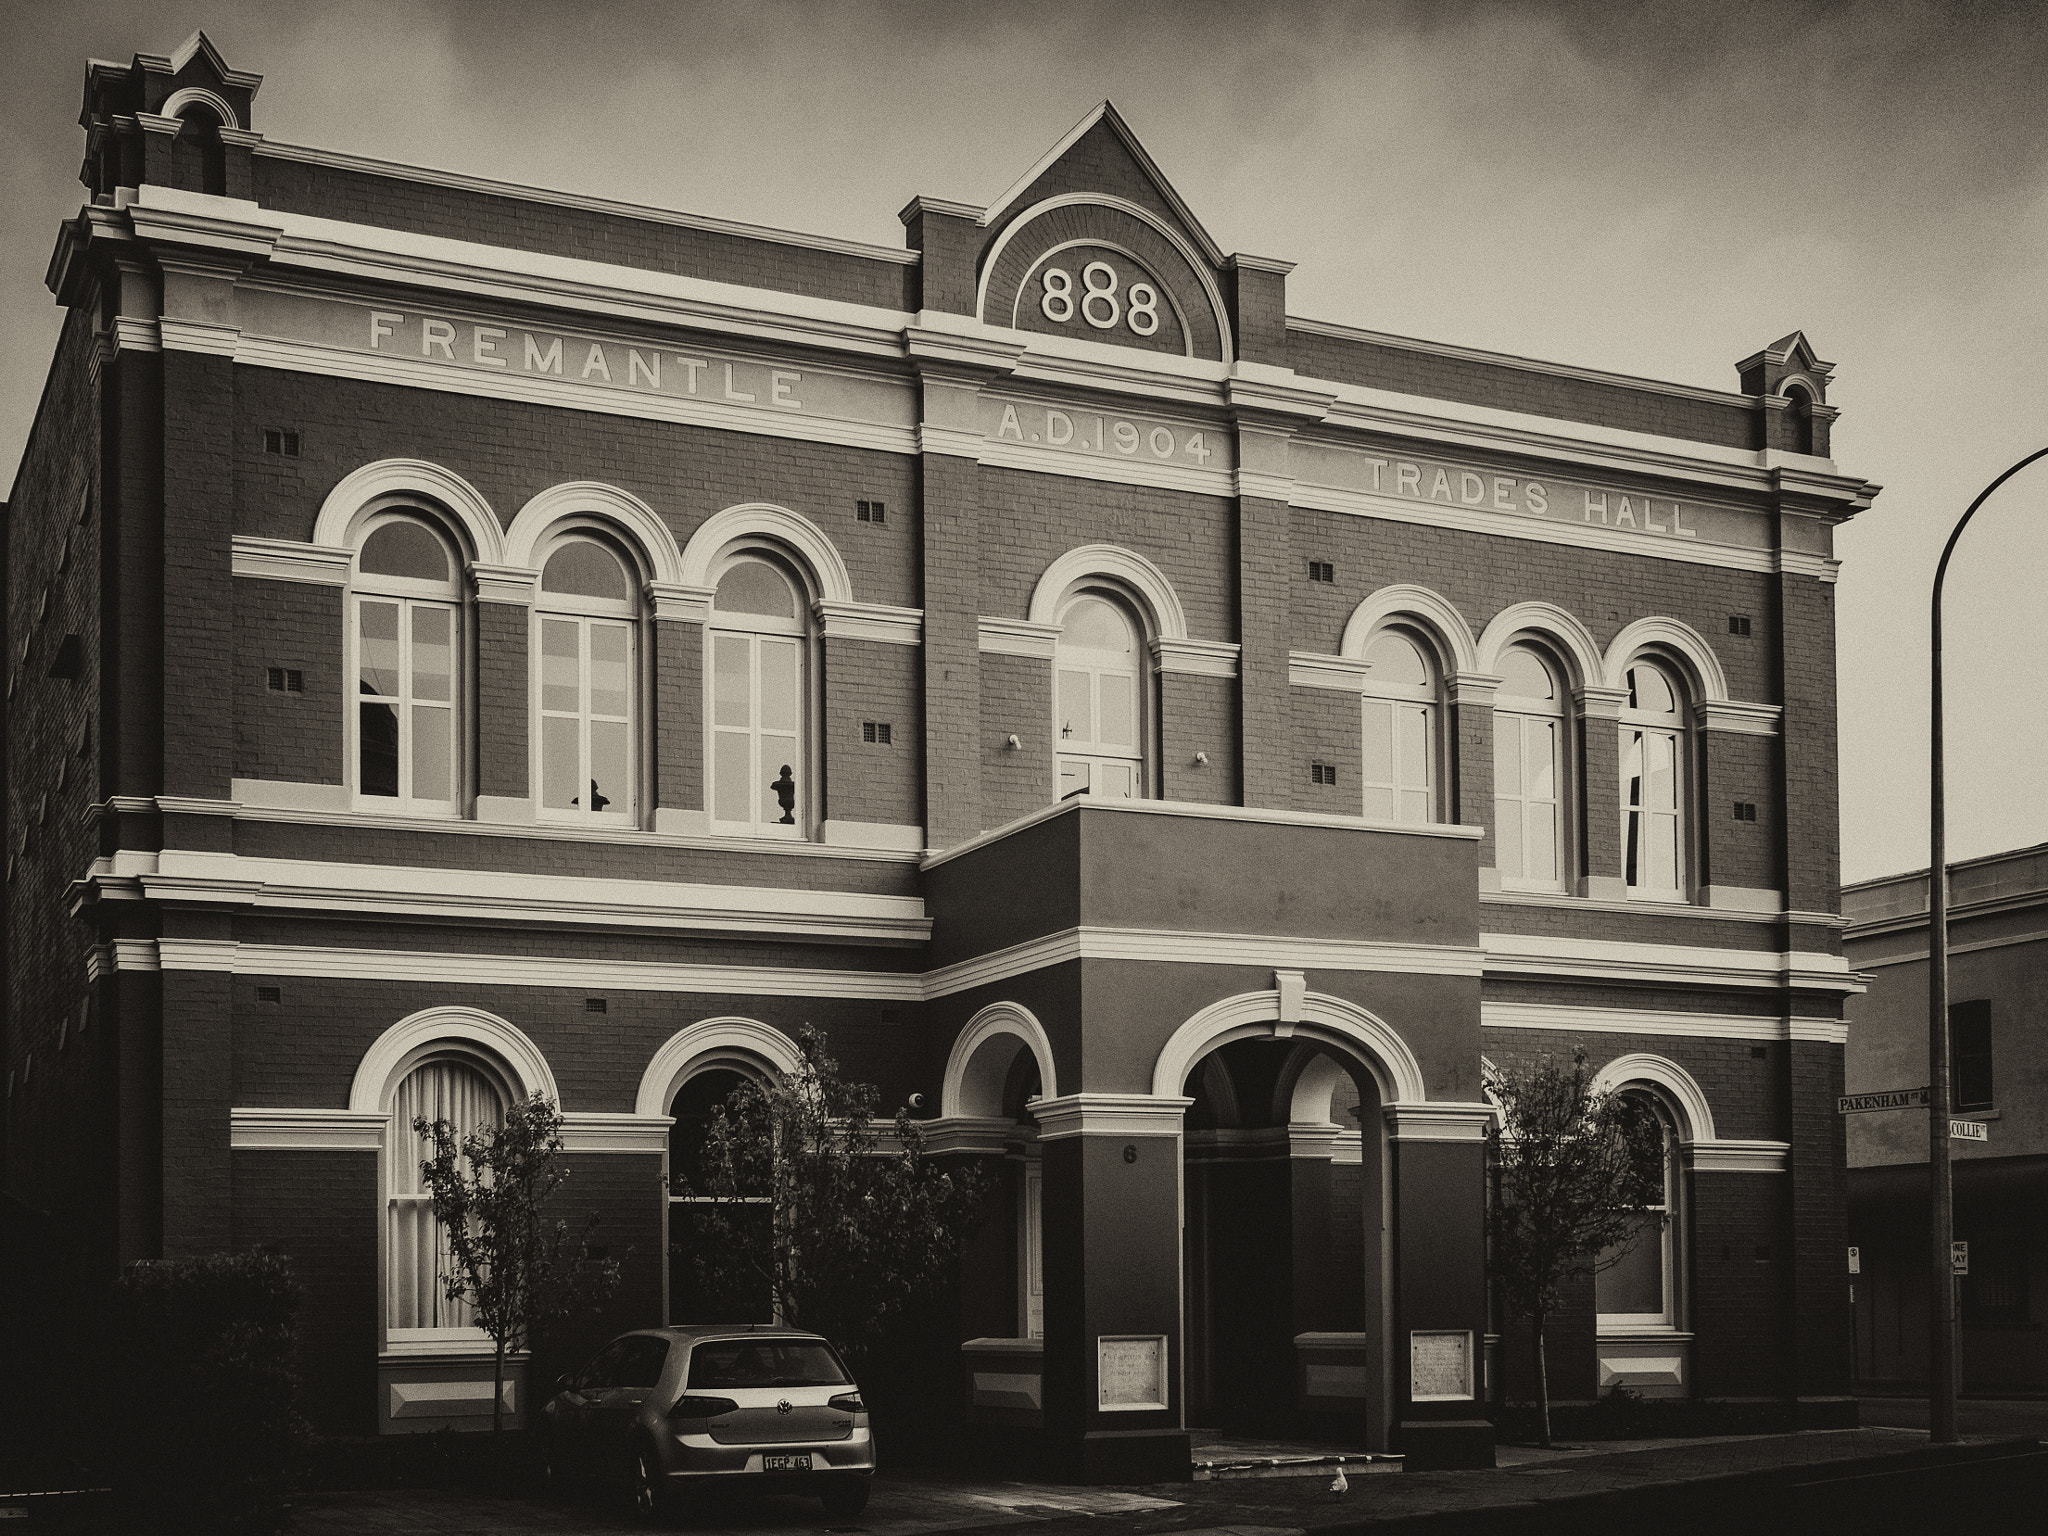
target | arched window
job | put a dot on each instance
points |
(198, 159)
(586, 644)
(756, 704)
(407, 632)
(695, 1105)
(1099, 692)
(1529, 758)
(1799, 414)
(1654, 785)
(1640, 1288)
(441, 1086)
(1402, 719)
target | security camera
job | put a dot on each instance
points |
(917, 1101)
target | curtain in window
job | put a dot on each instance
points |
(416, 1244)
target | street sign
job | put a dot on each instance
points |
(1896, 1098)
(1959, 1258)
(1968, 1130)
(1855, 1261)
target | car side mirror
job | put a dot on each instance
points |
(562, 1382)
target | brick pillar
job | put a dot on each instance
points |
(1817, 1276)
(677, 729)
(1600, 857)
(952, 650)
(1264, 561)
(133, 1013)
(503, 629)
(198, 656)
(132, 595)
(953, 370)
(1112, 1278)
(1808, 745)
(948, 236)
(198, 1088)
(1439, 1221)
(1470, 772)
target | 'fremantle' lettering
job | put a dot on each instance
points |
(649, 369)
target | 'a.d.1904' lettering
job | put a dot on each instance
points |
(1110, 436)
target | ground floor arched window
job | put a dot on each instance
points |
(416, 1250)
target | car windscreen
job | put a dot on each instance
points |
(764, 1363)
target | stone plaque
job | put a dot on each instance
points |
(1440, 1366)
(1130, 1372)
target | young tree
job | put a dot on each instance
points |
(519, 1271)
(814, 1211)
(1575, 1170)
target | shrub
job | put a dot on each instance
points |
(207, 1432)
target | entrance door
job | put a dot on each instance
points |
(1283, 1238)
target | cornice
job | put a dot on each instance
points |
(1681, 965)
(1108, 1114)
(289, 560)
(1018, 637)
(1738, 718)
(870, 621)
(1198, 658)
(1574, 1018)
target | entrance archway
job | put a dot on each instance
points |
(689, 1078)
(1287, 1247)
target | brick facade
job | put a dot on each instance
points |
(256, 928)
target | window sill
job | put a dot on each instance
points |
(1512, 898)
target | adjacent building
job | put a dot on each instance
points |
(468, 639)
(1998, 1075)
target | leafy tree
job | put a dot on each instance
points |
(1575, 1171)
(520, 1272)
(810, 1207)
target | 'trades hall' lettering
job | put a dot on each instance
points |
(545, 353)
(1453, 485)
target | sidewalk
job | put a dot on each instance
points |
(923, 1502)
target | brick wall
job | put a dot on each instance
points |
(454, 213)
(280, 734)
(868, 681)
(1503, 386)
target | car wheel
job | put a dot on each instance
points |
(554, 1477)
(648, 1489)
(843, 1501)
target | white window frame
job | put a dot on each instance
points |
(1392, 697)
(805, 757)
(1679, 734)
(408, 593)
(585, 612)
(392, 1341)
(1668, 1237)
(1507, 717)
(1141, 758)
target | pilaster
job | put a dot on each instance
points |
(1604, 876)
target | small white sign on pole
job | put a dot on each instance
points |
(1855, 1261)
(1959, 1258)
(1968, 1130)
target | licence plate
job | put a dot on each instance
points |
(785, 1463)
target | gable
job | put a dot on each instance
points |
(1094, 244)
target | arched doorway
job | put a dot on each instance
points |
(1288, 1250)
(1284, 1240)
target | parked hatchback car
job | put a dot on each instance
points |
(661, 1410)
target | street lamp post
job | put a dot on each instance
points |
(1941, 1361)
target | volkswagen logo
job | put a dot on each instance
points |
(783, 1406)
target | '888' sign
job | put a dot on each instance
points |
(1101, 300)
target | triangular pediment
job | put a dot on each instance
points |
(1100, 154)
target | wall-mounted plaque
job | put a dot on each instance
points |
(1440, 1366)
(1130, 1372)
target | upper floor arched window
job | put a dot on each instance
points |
(1655, 773)
(1099, 696)
(586, 682)
(1530, 760)
(1403, 720)
(407, 633)
(757, 705)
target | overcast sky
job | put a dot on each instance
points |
(1657, 189)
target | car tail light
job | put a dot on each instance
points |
(848, 1402)
(702, 1407)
